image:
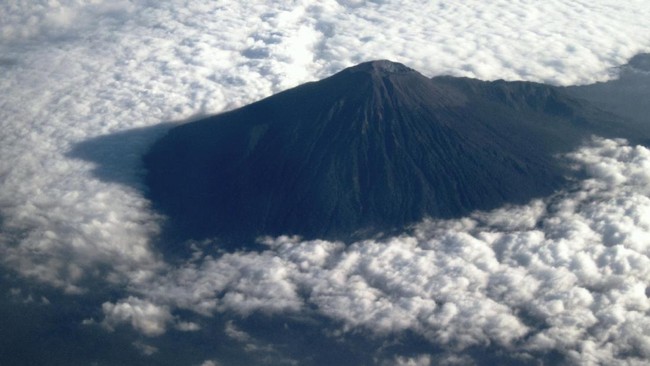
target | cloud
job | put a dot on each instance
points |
(148, 318)
(75, 70)
(146, 349)
(235, 333)
(56, 20)
(210, 363)
(569, 275)
(187, 326)
(422, 360)
(118, 67)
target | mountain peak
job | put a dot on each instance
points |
(376, 147)
(382, 67)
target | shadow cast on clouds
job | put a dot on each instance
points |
(626, 95)
(117, 156)
(117, 159)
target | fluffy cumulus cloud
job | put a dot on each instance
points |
(566, 274)
(148, 318)
(423, 360)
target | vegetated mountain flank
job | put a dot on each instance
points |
(375, 147)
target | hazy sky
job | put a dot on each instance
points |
(565, 275)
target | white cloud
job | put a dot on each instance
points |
(421, 360)
(144, 316)
(73, 70)
(187, 326)
(146, 349)
(570, 275)
(210, 363)
(99, 67)
(235, 333)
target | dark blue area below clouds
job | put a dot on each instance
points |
(35, 331)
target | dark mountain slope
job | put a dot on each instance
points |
(372, 148)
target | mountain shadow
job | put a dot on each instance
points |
(373, 148)
(118, 156)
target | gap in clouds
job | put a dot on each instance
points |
(41, 325)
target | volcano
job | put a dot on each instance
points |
(373, 148)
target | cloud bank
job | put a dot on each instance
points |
(565, 274)
(568, 274)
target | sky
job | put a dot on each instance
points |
(87, 86)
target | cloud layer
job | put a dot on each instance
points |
(566, 274)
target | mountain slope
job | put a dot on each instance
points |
(372, 148)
